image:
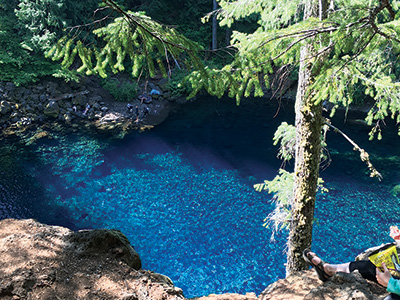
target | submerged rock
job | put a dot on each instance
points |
(37, 136)
(229, 296)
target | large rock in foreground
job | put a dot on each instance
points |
(48, 262)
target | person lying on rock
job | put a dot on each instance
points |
(366, 268)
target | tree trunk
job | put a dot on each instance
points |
(214, 27)
(308, 152)
(228, 34)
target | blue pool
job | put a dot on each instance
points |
(183, 193)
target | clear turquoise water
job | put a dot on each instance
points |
(183, 194)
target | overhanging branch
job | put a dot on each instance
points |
(363, 154)
(131, 20)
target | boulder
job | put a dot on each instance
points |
(39, 261)
(95, 99)
(5, 107)
(67, 117)
(162, 84)
(96, 242)
(9, 87)
(52, 109)
(79, 99)
(42, 98)
(111, 117)
(96, 106)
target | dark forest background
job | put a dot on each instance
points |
(29, 28)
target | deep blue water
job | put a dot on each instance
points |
(183, 193)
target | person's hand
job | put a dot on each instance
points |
(383, 277)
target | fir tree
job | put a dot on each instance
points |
(336, 47)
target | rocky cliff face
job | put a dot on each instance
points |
(48, 262)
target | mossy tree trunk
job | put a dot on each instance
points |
(308, 150)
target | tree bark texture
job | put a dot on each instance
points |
(308, 152)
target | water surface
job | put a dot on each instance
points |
(183, 193)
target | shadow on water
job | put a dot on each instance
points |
(236, 137)
(22, 194)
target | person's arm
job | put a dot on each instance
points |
(393, 286)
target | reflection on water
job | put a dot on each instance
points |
(183, 194)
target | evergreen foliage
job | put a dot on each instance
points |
(286, 135)
(361, 40)
(121, 90)
(186, 19)
(133, 40)
(17, 63)
(282, 186)
(27, 28)
(356, 48)
(39, 21)
(177, 85)
(282, 189)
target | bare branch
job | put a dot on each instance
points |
(363, 154)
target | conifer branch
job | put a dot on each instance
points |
(307, 33)
(373, 14)
(373, 83)
(312, 33)
(291, 46)
(386, 3)
(357, 54)
(315, 31)
(131, 20)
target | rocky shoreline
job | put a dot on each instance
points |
(85, 104)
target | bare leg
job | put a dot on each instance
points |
(331, 269)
